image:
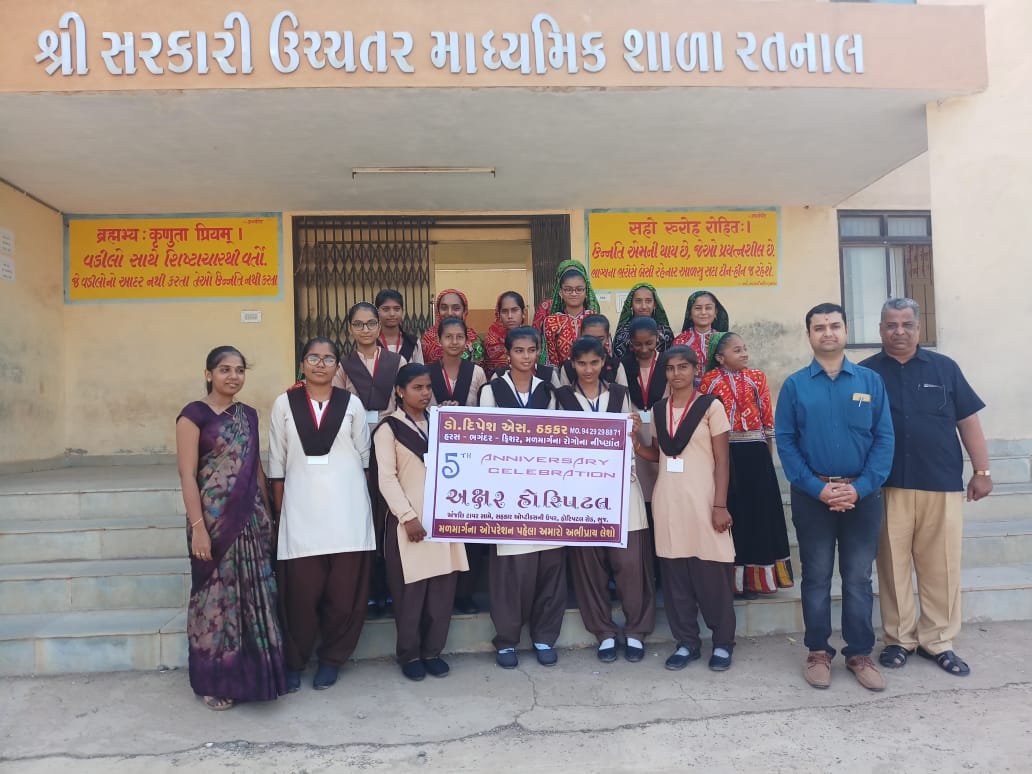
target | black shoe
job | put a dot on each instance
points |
(680, 662)
(547, 657)
(507, 659)
(436, 667)
(374, 609)
(720, 663)
(325, 676)
(607, 655)
(465, 606)
(293, 681)
(414, 670)
(633, 654)
(747, 595)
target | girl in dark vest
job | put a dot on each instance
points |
(369, 373)
(455, 381)
(597, 327)
(527, 581)
(421, 573)
(630, 566)
(391, 306)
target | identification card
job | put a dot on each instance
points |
(323, 460)
(372, 417)
(646, 417)
(861, 397)
(675, 465)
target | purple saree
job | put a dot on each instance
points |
(236, 648)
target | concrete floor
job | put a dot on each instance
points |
(579, 716)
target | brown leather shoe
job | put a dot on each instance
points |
(866, 672)
(818, 668)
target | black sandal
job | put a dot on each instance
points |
(948, 661)
(894, 656)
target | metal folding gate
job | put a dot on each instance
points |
(341, 260)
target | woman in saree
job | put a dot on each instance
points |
(572, 300)
(235, 643)
(451, 303)
(641, 301)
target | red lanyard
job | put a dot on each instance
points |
(645, 387)
(383, 340)
(376, 362)
(447, 381)
(674, 428)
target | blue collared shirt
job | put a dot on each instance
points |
(834, 427)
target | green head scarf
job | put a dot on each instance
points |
(590, 302)
(711, 349)
(721, 323)
(627, 313)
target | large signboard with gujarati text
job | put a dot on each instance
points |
(507, 476)
(192, 257)
(683, 248)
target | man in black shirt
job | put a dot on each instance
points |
(930, 402)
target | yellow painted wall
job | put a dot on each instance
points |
(980, 165)
(132, 367)
(32, 385)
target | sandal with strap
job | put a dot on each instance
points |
(216, 704)
(948, 661)
(894, 656)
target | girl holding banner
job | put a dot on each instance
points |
(527, 581)
(630, 566)
(421, 574)
(689, 507)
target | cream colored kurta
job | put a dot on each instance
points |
(326, 508)
(417, 351)
(402, 477)
(478, 380)
(637, 518)
(682, 503)
(341, 379)
(487, 400)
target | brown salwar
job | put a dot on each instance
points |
(422, 610)
(323, 596)
(691, 585)
(527, 588)
(630, 568)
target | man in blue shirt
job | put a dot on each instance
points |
(924, 495)
(834, 437)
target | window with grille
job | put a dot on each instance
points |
(885, 255)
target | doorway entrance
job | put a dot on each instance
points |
(341, 260)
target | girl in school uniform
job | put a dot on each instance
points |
(391, 306)
(456, 381)
(527, 581)
(689, 508)
(762, 563)
(454, 378)
(597, 326)
(646, 384)
(450, 303)
(630, 566)
(369, 372)
(421, 574)
(318, 453)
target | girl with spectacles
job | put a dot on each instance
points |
(572, 300)
(318, 453)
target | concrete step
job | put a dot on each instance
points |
(91, 493)
(60, 587)
(39, 540)
(103, 641)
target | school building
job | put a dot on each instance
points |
(178, 176)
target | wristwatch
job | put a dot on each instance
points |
(985, 472)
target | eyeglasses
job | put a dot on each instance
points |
(327, 360)
(579, 289)
(368, 325)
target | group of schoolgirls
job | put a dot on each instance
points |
(703, 470)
